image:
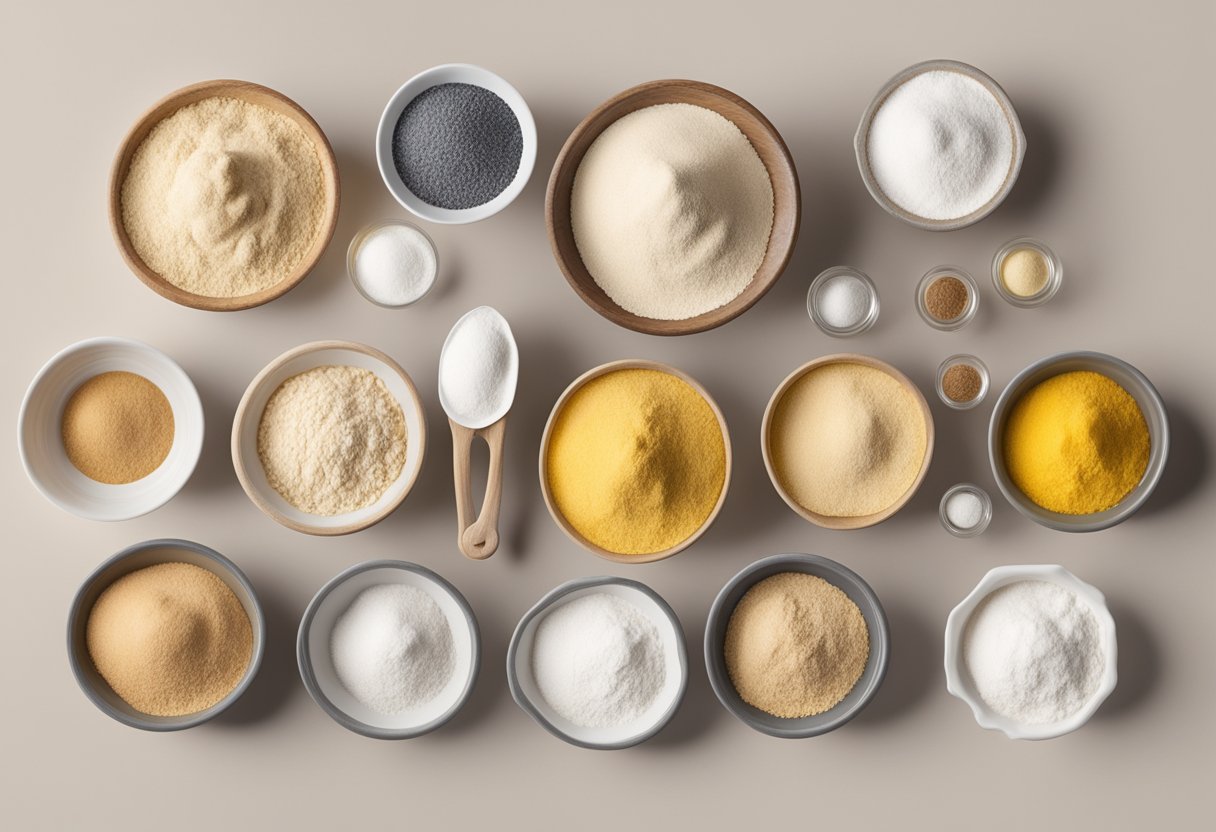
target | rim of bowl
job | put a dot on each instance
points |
(414, 87)
(956, 627)
(241, 464)
(766, 422)
(309, 678)
(195, 403)
(712, 318)
(257, 622)
(1158, 450)
(356, 243)
(547, 601)
(546, 437)
(862, 152)
(812, 308)
(167, 106)
(880, 643)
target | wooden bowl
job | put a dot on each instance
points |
(249, 416)
(559, 518)
(787, 201)
(167, 106)
(825, 520)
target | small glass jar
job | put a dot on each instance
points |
(813, 302)
(973, 298)
(1055, 272)
(985, 510)
(353, 250)
(969, 361)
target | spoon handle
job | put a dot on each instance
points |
(462, 453)
(480, 540)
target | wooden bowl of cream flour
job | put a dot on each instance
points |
(239, 204)
(686, 313)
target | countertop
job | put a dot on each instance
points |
(1116, 107)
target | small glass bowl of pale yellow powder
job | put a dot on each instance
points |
(1026, 272)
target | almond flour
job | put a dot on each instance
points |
(332, 440)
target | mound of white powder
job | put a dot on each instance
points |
(671, 210)
(940, 146)
(1033, 650)
(598, 661)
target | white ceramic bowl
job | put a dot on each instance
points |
(249, 415)
(527, 695)
(960, 684)
(316, 662)
(453, 74)
(39, 429)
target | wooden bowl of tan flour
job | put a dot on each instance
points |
(224, 195)
(673, 207)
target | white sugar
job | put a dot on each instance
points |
(964, 510)
(478, 369)
(843, 301)
(940, 146)
(395, 265)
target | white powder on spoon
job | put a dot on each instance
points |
(671, 210)
(392, 648)
(1033, 650)
(940, 146)
(478, 368)
(598, 661)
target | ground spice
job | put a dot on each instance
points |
(946, 298)
(636, 461)
(847, 440)
(962, 382)
(224, 198)
(117, 428)
(332, 439)
(1076, 443)
(1024, 272)
(170, 639)
(795, 645)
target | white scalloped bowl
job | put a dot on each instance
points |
(960, 684)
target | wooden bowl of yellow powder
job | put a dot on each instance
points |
(224, 195)
(1078, 441)
(329, 438)
(165, 635)
(847, 440)
(635, 461)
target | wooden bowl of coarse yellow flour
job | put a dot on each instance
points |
(224, 195)
(293, 438)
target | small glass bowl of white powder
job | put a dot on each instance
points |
(965, 510)
(842, 301)
(1032, 651)
(393, 263)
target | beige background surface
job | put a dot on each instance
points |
(1117, 111)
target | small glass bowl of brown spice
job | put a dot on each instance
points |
(962, 381)
(947, 298)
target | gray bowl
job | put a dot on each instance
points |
(316, 666)
(135, 557)
(862, 151)
(1128, 377)
(839, 576)
(528, 697)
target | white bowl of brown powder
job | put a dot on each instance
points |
(329, 438)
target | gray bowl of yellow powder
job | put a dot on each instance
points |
(165, 635)
(796, 645)
(1078, 441)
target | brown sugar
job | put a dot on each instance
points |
(795, 645)
(962, 383)
(946, 298)
(117, 428)
(170, 639)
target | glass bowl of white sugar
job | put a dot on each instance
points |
(842, 301)
(393, 263)
(965, 510)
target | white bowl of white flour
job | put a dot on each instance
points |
(1032, 650)
(599, 662)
